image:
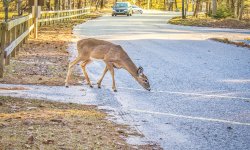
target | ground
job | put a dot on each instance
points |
(200, 88)
(36, 124)
(202, 21)
(44, 60)
(33, 124)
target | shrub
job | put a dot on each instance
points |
(223, 12)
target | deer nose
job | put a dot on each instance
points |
(148, 89)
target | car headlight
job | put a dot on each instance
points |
(125, 10)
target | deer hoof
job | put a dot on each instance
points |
(115, 90)
(90, 86)
(66, 85)
(99, 86)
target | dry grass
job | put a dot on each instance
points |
(202, 21)
(36, 124)
(226, 40)
(44, 60)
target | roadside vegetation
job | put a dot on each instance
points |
(227, 41)
(220, 14)
(202, 21)
(39, 124)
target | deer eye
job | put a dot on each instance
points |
(146, 81)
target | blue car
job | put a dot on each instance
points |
(122, 8)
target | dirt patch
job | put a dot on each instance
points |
(45, 60)
(211, 22)
(36, 124)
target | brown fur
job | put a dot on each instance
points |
(113, 55)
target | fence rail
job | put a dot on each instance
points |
(48, 17)
(16, 32)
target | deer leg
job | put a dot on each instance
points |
(111, 69)
(77, 60)
(100, 80)
(83, 65)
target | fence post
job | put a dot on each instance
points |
(3, 33)
(35, 15)
(14, 36)
(8, 41)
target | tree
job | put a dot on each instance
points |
(241, 8)
(183, 10)
(56, 4)
(196, 10)
(214, 7)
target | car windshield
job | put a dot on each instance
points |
(118, 5)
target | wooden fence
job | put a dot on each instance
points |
(16, 32)
(48, 17)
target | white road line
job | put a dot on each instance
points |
(192, 94)
(191, 117)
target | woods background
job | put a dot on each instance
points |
(239, 9)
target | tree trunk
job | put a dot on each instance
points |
(241, 9)
(6, 10)
(170, 8)
(79, 4)
(186, 6)
(183, 10)
(56, 5)
(176, 7)
(236, 10)
(102, 4)
(214, 7)
(165, 4)
(19, 10)
(69, 4)
(232, 5)
(196, 10)
(85, 3)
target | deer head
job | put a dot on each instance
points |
(142, 79)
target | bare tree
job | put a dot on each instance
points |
(214, 7)
(56, 4)
(241, 9)
(196, 10)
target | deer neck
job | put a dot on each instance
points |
(130, 67)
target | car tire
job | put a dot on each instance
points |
(128, 15)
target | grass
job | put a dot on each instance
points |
(227, 41)
(248, 39)
(203, 21)
(38, 124)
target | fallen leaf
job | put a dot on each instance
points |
(30, 140)
(48, 142)
(56, 120)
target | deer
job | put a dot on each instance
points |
(114, 56)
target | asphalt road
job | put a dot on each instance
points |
(201, 88)
(200, 96)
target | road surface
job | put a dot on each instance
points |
(200, 96)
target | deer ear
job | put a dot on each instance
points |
(140, 71)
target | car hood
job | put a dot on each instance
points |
(120, 8)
